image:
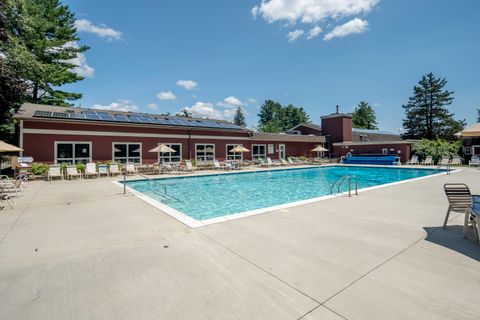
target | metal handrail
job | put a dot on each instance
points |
(447, 167)
(342, 180)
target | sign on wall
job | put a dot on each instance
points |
(271, 149)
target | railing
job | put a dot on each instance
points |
(163, 186)
(344, 179)
(447, 166)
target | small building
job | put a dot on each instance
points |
(71, 135)
(341, 138)
(470, 141)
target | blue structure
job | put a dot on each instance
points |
(379, 160)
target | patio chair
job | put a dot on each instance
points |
(169, 168)
(413, 160)
(102, 170)
(428, 161)
(130, 167)
(461, 200)
(217, 165)
(11, 186)
(73, 172)
(91, 170)
(189, 166)
(114, 170)
(283, 162)
(6, 198)
(263, 163)
(444, 161)
(456, 161)
(474, 161)
(54, 172)
(290, 161)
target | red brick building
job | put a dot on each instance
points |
(63, 134)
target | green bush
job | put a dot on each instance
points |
(436, 148)
(81, 167)
(63, 166)
(39, 169)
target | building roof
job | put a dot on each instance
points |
(38, 111)
(260, 136)
(308, 125)
(472, 131)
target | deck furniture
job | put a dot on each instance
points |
(73, 172)
(413, 160)
(114, 170)
(189, 166)
(461, 200)
(474, 161)
(11, 186)
(444, 161)
(91, 170)
(130, 167)
(6, 198)
(456, 161)
(428, 161)
(217, 165)
(54, 172)
(102, 170)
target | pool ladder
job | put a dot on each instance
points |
(345, 179)
(447, 166)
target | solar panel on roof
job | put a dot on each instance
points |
(39, 113)
(106, 117)
(91, 116)
(146, 119)
(60, 114)
(134, 118)
(76, 116)
(121, 118)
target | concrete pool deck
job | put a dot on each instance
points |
(82, 250)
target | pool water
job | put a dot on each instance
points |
(212, 196)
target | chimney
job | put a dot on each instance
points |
(338, 108)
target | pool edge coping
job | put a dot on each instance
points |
(193, 223)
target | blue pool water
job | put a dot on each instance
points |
(205, 197)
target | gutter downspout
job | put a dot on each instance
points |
(21, 137)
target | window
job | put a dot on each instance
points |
(259, 151)
(385, 151)
(467, 151)
(127, 152)
(171, 156)
(204, 152)
(234, 155)
(73, 152)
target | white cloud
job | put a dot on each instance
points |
(187, 84)
(351, 27)
(166, 95)
(252, 100)
(103, 31)
(314, 32)
(230, 102)
(204, 110)
(153, 106)
(310, 11)
(121, 105)
(81, 66)
(294, 35)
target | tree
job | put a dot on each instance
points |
(436, 148)
(364, 117)
(426, 112)
(183, 113)
(239, 118)
(273, 117)
(42, 41)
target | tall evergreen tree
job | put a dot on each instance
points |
(43, 32)
(364, 117)
(426, 112)
(239, 118)
(478, 115)
(273, 117)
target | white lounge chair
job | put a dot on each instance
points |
(283, 162)
(217, 165)
(271, 163)
(456, 161)
(130, 167)
(444, 161)
(474, 161)
(8, 199)
(72, 172)
(189, 166)
(54, 172)
(11, 186)
(91, 170)
(114, 170)
(413, 160)
(428, 161)
(102, 170)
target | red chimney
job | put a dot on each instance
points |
(338, 126)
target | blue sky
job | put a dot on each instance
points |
(211, 56)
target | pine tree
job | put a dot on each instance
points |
(364, 117)
(239, 118)
(426, 112)
(273, 117)
(42, 42)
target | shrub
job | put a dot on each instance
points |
(81, 167)
(436, 148)
(39, 169)
(63, 166)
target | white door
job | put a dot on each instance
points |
(281, 151)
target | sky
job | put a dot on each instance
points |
(213, 56)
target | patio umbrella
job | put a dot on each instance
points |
(319, 149)
(162, 148)
(239, 149)
(5, 147)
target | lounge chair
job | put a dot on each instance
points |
(8, 199)
(284, 163)
(54, 172)
(413, 160)
(11, 186)
(290, 161)
(461, 200)
(271, 163)
(102, 170)
(114, 170)
(474, 161)
(263, 163)
(217, 165)
(130, 167)
(73, 172)
(428, 161)
(456, 161)
(169, 168)
(445, 161)
(189, 166)
(91, 170)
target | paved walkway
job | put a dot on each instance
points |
(82, 250)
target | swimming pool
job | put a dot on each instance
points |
(207, 197)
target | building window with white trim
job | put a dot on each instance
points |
(73, 152)
(165, 157)
(467, 150)
(259, 151)
(234, 155)
(204, 152)
(127, 152)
